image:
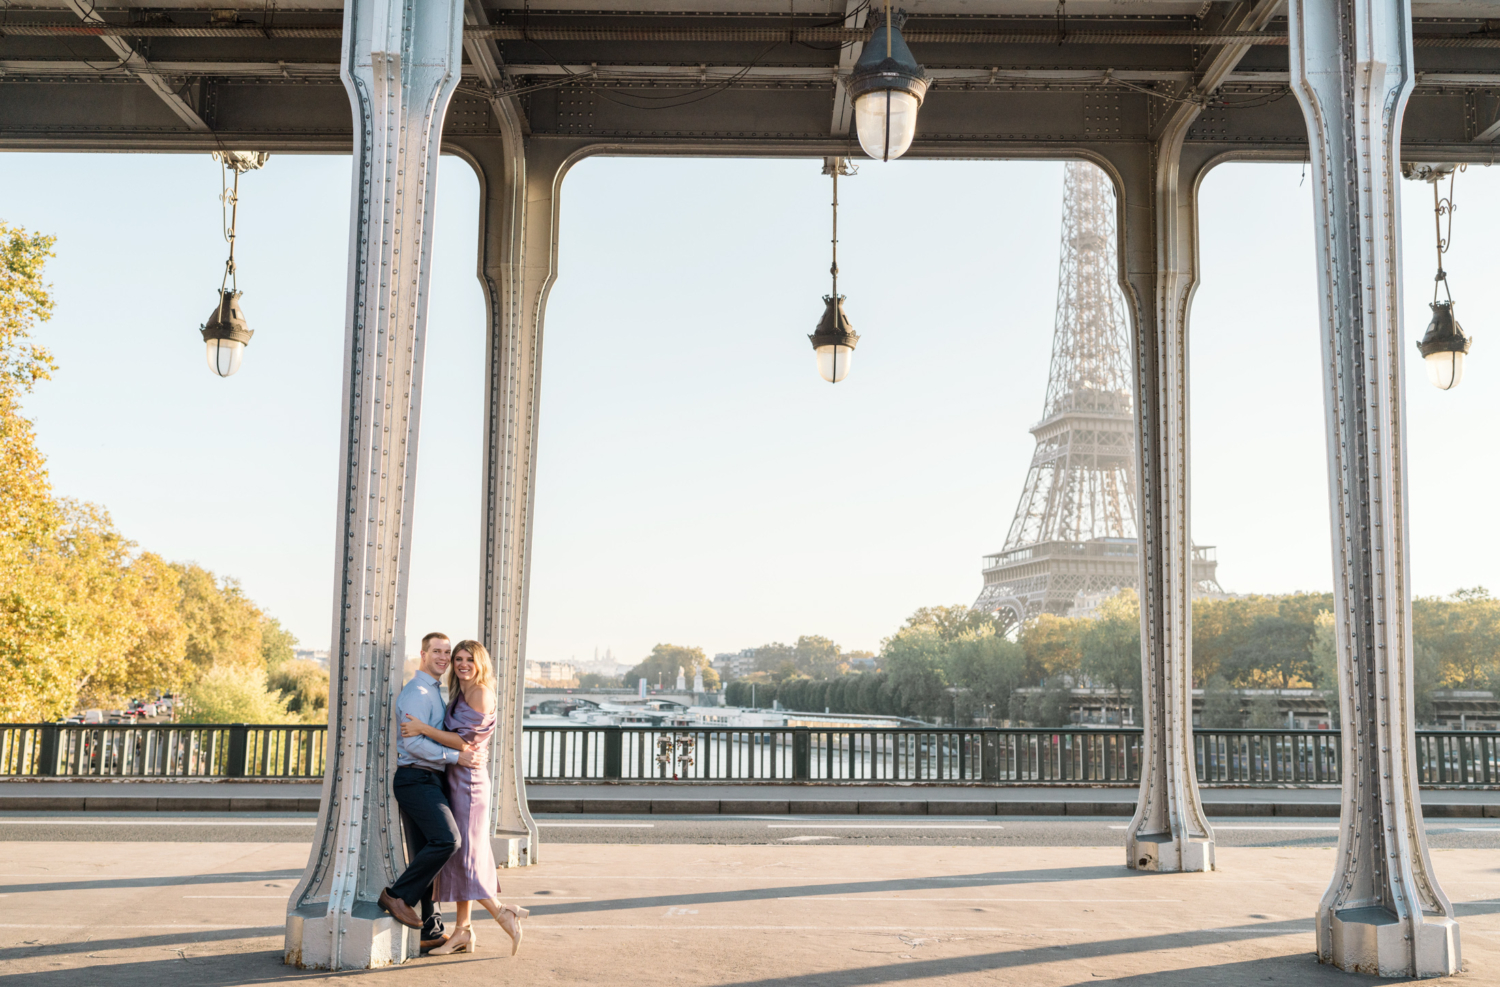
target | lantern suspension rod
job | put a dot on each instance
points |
(1443, 207)
(887, 28)
(230, 197)
(834, 270)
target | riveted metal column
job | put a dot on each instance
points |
(400, 65)
(1159, 254)
(1158, 226)
(1351, 67)
(517, 265)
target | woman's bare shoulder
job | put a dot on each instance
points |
(486, 700)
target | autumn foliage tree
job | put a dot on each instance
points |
(86, 618)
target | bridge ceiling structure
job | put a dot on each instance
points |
(1155, 92)
(1012, 77)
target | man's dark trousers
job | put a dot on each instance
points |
(431, 838)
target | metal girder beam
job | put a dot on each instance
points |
(1351, 62)
(1248, 17)
(843, 107)
(132, 61)
(400, 66)
(485, 61)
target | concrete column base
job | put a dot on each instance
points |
(369, 941)
(1374, 941)
(511, 851)
(1159, 852)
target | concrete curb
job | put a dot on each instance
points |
(740, 807)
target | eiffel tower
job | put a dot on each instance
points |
(1073, 541)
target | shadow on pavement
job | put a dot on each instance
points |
(1051, 875)
(105, 882)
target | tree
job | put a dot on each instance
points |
(277, 644)
(1276, 653)
(913, 660)
(224, 627)
(233, 694)
(303, 687)
(989, 667)
(1463, 633)
(1110, 646)
(1052, 646)
(84, 615)
(1221, 705)
(818, 657)
(26, 507)
(663, 663)
(1325, 657)
(776, 659)
(952, 622)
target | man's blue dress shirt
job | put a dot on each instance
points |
(422, 700)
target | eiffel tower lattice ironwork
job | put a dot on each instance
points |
(1073, 541)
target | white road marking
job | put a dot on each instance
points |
(1118, 901)
(158, 822)
(1267, 829)
(877, 826)
(676, 928)
(599, 825)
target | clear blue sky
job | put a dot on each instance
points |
(698, 483)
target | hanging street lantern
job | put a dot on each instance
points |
(1444, 345)
(887, 87)
(835, 339)
(226, 332)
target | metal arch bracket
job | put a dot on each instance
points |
(400, 65)
(1352, 71)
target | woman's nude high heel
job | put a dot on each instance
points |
(510, 920)
(462, 941)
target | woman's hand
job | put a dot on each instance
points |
(414, 728)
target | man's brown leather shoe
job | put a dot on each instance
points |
(400, 910)
(433, 943)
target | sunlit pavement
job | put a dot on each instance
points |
(767, 915)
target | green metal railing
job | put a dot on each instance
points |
(822, 755)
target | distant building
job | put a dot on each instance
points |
(554, 674)
(734, 665)
(321, 657)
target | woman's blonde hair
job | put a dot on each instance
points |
(484, 668)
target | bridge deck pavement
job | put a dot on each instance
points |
(163, 914)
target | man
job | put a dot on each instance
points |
(421, 790)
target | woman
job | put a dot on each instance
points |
(469, 875)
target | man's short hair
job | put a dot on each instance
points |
(429, 637)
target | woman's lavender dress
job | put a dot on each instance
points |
(469, 875)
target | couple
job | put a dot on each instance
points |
(443, 788)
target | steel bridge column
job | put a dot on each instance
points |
(1351, 67)
(519, 181)
(1158, 223)
(400, 65)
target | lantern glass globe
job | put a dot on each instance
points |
(1445, 369)
(224, 356)
(886, 121)
(834, 361)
